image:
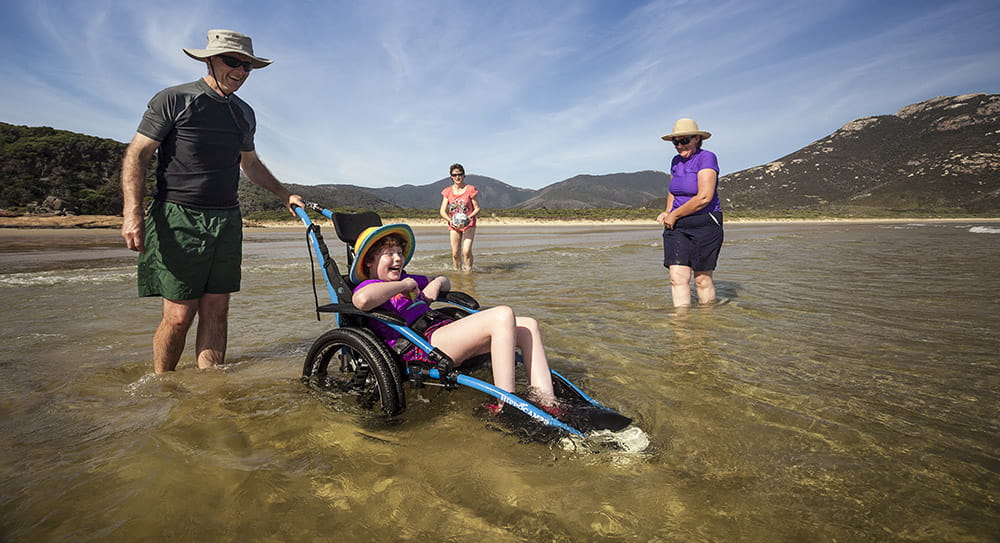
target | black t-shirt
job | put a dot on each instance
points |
(201, 135)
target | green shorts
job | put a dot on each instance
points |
(190, 252)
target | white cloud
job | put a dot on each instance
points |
(384, 93)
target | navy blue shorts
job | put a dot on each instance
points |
(694, 242)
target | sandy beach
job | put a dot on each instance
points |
(111, 221)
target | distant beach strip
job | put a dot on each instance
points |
(111, 221)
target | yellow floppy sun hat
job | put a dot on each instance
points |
(369, 237)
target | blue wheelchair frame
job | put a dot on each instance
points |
(444, 371)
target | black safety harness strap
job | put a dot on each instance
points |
(425, 321)
(315, 230)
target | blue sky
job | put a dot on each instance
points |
(383, 93)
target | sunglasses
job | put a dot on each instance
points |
(234, 62)
(681, 141)
(458, 175)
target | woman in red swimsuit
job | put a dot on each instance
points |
(459, 207)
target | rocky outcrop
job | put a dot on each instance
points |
(52, 206)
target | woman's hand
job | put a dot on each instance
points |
(667, 219)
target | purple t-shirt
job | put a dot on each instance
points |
(684, 178)
(409, 308)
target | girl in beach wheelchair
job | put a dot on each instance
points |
(386, 323)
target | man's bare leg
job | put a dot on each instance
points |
(168, 341)
(213, 330)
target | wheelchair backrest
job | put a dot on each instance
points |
(350, 225)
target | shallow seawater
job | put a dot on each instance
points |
(846, 391)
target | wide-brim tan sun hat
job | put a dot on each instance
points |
(686, 127)
(369, 237)
(228, 41)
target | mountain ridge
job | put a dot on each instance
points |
(941, 154)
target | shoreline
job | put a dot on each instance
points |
(114, 222)
(650, 222)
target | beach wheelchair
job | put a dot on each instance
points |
(350, 359)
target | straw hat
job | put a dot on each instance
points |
(227, 41)
(369, 237)
(686, 127)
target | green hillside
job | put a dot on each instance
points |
(41, 162)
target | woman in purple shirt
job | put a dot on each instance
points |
(692, 234)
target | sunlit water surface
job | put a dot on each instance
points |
(847, 391)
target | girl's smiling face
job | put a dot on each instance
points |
(387, 263)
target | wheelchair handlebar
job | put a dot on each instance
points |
(301, 213)
(309, 205)
(319, 208)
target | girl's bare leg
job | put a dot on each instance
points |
(536, 363)
(490, 331)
